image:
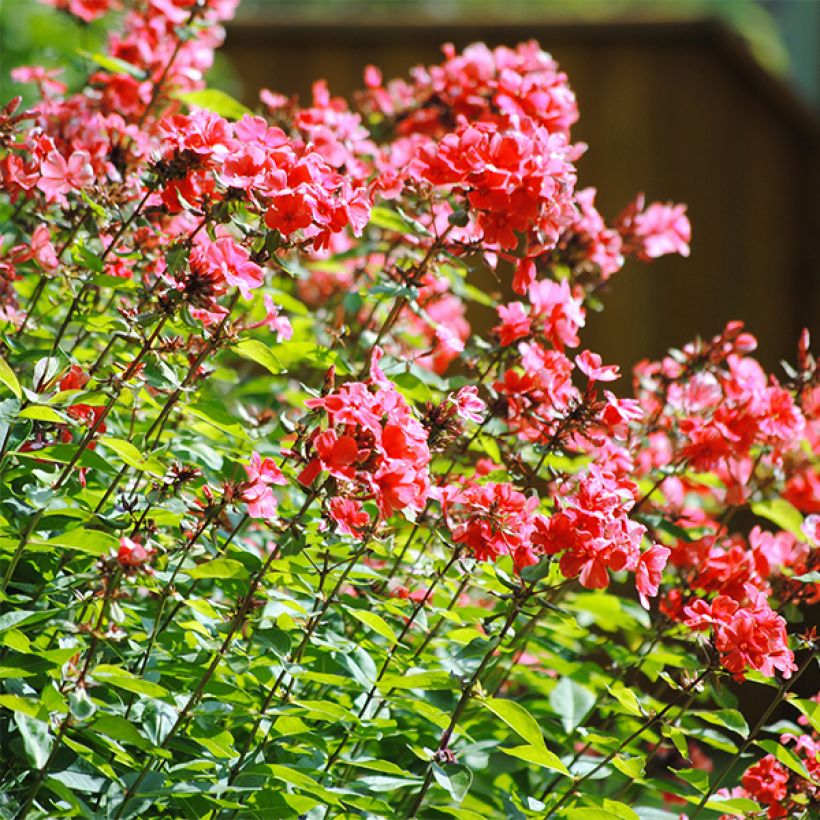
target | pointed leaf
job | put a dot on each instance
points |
(571, 702)
(8, 378)
(517, 718)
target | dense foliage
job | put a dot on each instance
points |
(282, 535)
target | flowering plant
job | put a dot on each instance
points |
(282, 534)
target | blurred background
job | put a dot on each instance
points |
(710, 102)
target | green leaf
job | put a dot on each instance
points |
(219, 568)
(627, 699)
(610, 810)
(296, 355)
(728, 718)
(416, 680)
(540, 756)
(123, 679)
(733, 805)
(781, 512)
(811, 709)
(132, 456)
(260, 353)
(390, 220)
(37, 739)
(517, 718)
(678, 738)
(302, 781)
(786, 756)
(91, 542)
(456, 780)
(535, 572)
(220, 745)
(697, 778)
(571, 702)
(323, 710)
(219, 417)
(490, 446)
(114, 64)
(8, 378)
(217, 101)
(632, 767)
(119, 728)
(15, 703)
(375, 622)
(16, 618)
(39, 412)
(100, 212)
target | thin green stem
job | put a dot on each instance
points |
(467, 693)
(573, 790)
(784, 687)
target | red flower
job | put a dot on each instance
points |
(349, 516)
(515, 323)
(132, 555)
(59, 177)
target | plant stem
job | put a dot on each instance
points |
(41, 773)
(784, 687)
(98, 421)
(568, 794)
(391, 656)
(643, 654)
(238, 620)
(467, 692)
(295, 657)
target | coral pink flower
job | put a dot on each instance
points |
(590, 364)
(289, 212)
(59, 177)
(560, 311)
(750, 635)
(515, 323)
(43, 250)
(349, 516)
(234, 262)
(649, 572)
(256, 492)
(46, 79)
(766, 781)
(656, 231)
(468, 405)
(133, 555)
(278, 324)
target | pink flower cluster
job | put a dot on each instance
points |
(515, 180)
(747, 636)
(593, 532)
(133, 556)
(256, 491)
(292, 187)
(374, 447)
(716, 406)
(481, 85)
(781, 790)
(656, 230)
(492, 520)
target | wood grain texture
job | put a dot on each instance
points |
(678, 110)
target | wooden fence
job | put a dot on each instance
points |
(678, 110)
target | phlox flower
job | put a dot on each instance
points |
(59, 176)
(256, 492)
(468, 405)
(590, 364)
(349, 516)
(132, 555)
(230, 261)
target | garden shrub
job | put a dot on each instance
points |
(282, 535)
